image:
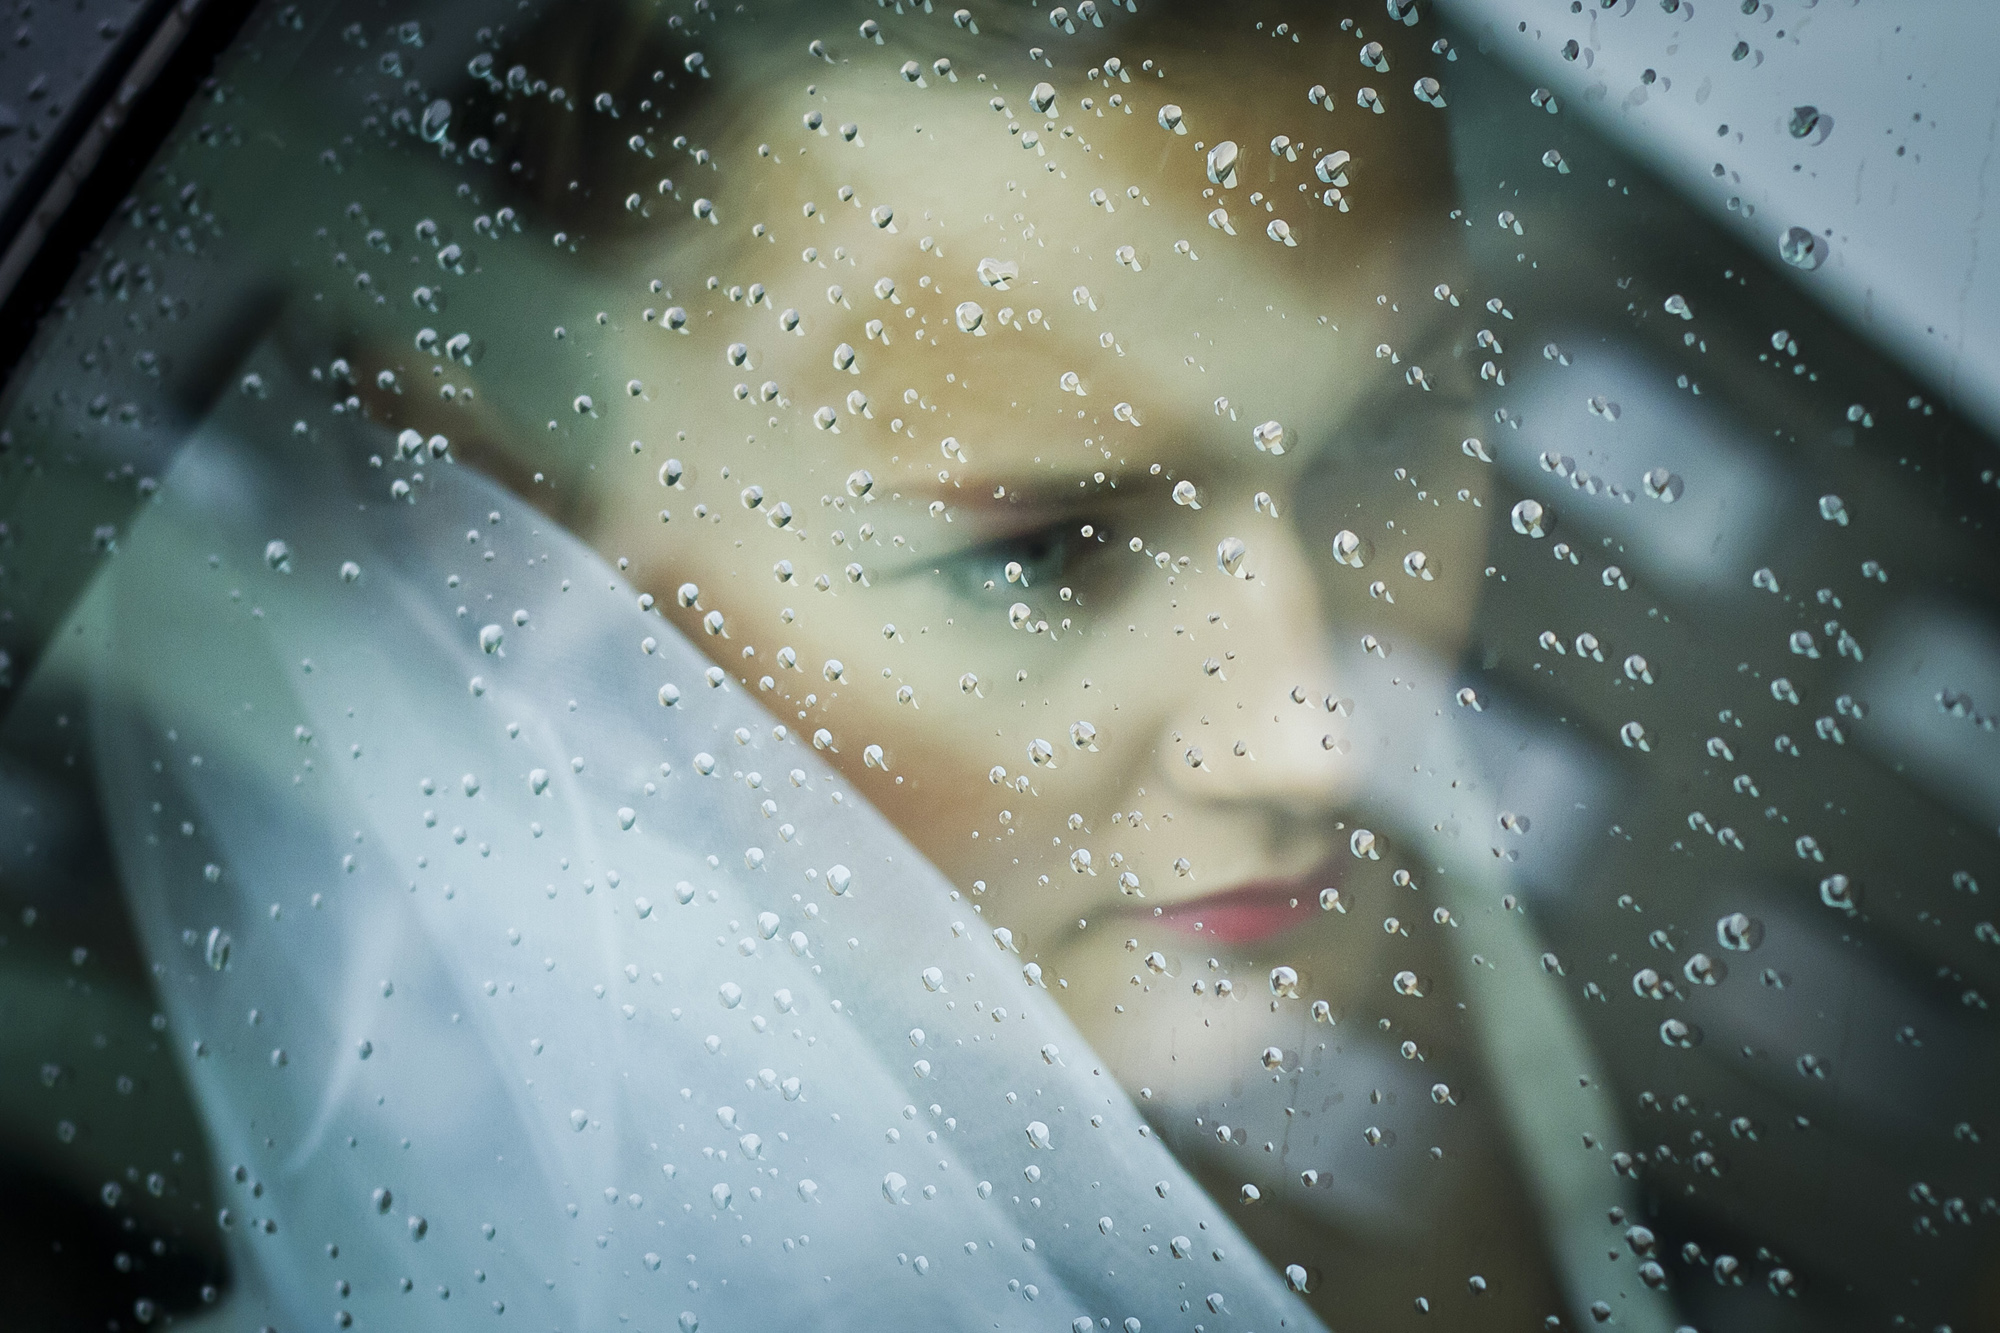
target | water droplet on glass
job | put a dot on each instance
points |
(998, 273)
(1840, 892)
(436, 121)
(1222, 161)
(1680, 1033)
(1739, 933)
(1799, 248)
(1702, 970)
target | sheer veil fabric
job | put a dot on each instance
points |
(501, 989)
(518, 967)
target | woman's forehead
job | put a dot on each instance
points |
(1034, 297)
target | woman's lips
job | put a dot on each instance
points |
(1255, 911)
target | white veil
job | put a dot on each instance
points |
(495, 999)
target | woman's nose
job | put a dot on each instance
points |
(1265, 731)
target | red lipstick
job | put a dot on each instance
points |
(1255, 911)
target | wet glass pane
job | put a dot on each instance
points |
(1169, 667)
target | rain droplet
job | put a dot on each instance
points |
(1739, 933)
(1222, 161)
(1702, 970)
(1838, 891)
(1799, 248)
(1532, 519)
(436, 121)
(1680, 1033)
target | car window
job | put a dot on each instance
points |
(1114, 666)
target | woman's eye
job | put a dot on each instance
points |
(1036, 560)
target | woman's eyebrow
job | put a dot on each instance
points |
(1060, 491)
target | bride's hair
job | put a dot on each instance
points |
(591, 119)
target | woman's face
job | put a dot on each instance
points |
(1048, 599)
